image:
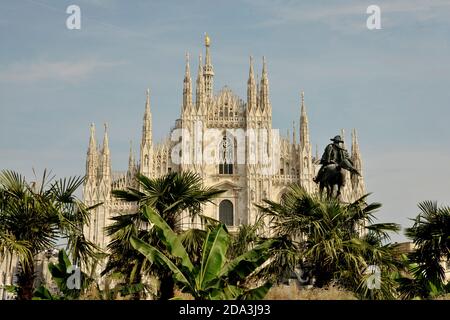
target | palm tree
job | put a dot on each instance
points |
(171, 195)
(431, 236)
(329, 239)
(33, 217)
(246, 237)
(214, 276)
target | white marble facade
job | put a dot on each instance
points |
(226, 128)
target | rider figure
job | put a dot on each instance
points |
(335, 154)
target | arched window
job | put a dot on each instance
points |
(226, 156)
(226, 212)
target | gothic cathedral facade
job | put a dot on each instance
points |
(223, 127)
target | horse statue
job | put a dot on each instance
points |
(334, 159)
(333, 176)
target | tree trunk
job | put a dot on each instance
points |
(138, 280)
(26, 282)
(166, 287)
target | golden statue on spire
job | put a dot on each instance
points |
(207, 40)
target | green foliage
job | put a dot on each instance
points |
(42, 293)
(171, 195)
(431, 237)
(330, 239)
(33, 216)
(11, 289)
(334, 242)
(214, 277)
(247, 236)
(60, 276)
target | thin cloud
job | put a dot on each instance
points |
(54, 70)
(286, 12)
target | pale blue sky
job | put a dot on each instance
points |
(390, 84)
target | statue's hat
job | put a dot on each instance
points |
(337, 139)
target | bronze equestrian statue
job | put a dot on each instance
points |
(334, 158)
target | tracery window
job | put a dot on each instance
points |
(226, 155)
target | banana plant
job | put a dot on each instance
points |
(61, 275)
(213, 277)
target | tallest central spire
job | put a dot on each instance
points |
(208, 71)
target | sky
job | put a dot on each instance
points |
(391, 84)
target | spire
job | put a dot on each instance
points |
(264, 88)
(207, 45)
(305, 150)
(200, 89)
(147, 125)
(91, 160)
(356, 155)
(357, 181)
(131, 160)
(355, 136)
(146, 142)
(294, 140)
(343, 137)
(251, 76)
(258, 89)
(187, 86)
(106, 158)
(304, 129)
(105, 139)
(92, 147)
(352, 135)
(251, 89)
(264, 70)
(208, 72)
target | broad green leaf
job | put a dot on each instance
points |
(246, 263)
(170, 239)
(42, 293)
(64, 259)
(214, 254)
(156, 256)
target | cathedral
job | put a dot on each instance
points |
(227, 140)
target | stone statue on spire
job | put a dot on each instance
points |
(208, 69)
